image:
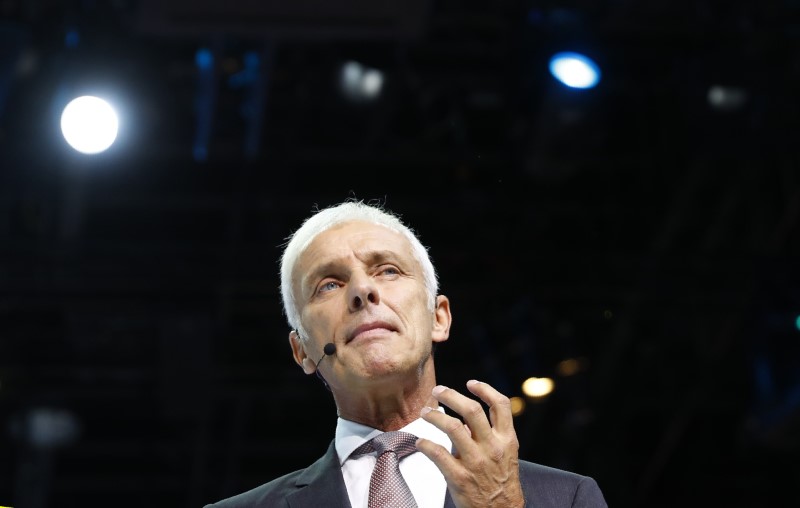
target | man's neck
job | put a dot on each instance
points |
(388, 410)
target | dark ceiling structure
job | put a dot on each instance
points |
(638, 242)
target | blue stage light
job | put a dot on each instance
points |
(574, 70)
(72, 38)
(204, 59)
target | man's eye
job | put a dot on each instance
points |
(389, 270)
(328, 286)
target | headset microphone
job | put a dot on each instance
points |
(328, 350)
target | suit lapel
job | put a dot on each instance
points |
(448, 501)
(321, 484)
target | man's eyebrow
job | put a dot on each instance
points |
(381, 255)
(320, 271)
(328, 267)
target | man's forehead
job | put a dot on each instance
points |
(366, 240)
(357, 235)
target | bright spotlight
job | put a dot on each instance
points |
(575, 70)
(537, 387)
(89, 124)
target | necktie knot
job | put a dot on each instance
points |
(402, 444)
(387, 488)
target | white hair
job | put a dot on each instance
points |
(325, 219)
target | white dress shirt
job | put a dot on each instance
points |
(421, 474)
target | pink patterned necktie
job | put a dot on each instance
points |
(387, 488)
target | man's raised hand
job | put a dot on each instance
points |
(484, 471)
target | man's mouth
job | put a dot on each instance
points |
(369, 329)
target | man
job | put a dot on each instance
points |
(360, 292)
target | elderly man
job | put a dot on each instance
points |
(361, 293)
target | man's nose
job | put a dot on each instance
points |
(362, 291)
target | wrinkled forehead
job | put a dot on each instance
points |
(352, 238)
(359, 237)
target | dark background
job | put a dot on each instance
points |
(640, 228)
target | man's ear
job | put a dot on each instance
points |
(299, 353)
(441, 319)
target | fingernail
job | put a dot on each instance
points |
(425, 410)
(472, 382)
(438, 389)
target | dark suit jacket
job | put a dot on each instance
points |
(322, 485)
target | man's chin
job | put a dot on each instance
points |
(382, 372)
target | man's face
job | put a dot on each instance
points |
(359, 286)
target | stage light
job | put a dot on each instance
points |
(46, 428)
(360, 83)
(797, 323)
(517, 406)
(371, 83)
(204, 102)
(89, 124)
(574, 70)
(727, 98)
(570, 366)
(72, 38)
(204, 59)
(537, 387)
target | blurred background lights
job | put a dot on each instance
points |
(89, 124)
(204, 58)
(371, 82)
(517, 406)
(72, 38)
(45, 428)
(797, 322)
(570, 366)
(537, 387)
(360, 83)
(726, 98)
(574, 70)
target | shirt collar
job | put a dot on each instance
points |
(350, 435)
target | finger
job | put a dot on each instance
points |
(458, 433)
(432, 402)
(469, 409)
(499, 405)
(440, 456)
